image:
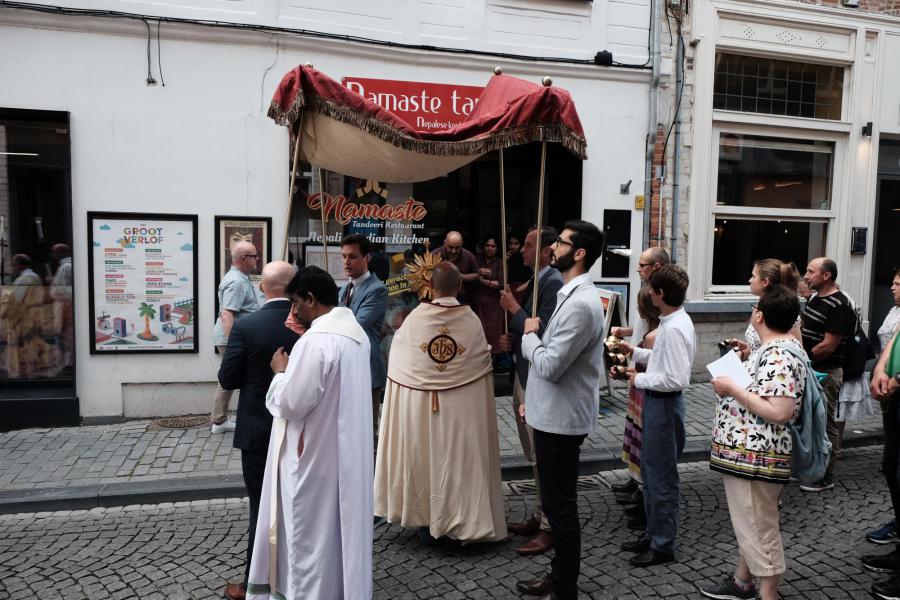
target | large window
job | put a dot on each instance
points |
(773, 198)
(778, 87)
(36, 328)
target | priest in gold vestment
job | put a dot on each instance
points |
(438, 461)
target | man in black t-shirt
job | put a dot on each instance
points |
(826, 322)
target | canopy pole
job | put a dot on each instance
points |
(540, 227)
(505, 281)
(290, 207)
(324, 217)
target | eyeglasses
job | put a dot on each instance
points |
(250, 256)
(754, 306)
(644, 265)
(559, 240)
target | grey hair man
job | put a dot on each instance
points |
(237, 298)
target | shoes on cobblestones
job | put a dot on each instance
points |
(630, 485)
(637, 545)
(826, 483)
(535, 587)
(727, 589)
(635, 510)
(886, 534)
(529, 526)
(539, 544)
(235, 591)
(227, 425)
(651, 557)
(638, 523)
(887, 590)
(425, 537)
(635, 497)
(883, 563)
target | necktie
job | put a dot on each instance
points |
(348, 293)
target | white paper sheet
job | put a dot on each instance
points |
(730, 366)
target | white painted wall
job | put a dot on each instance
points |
(202, 144)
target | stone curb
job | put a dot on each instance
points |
(232, 486)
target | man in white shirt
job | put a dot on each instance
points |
(668, 373)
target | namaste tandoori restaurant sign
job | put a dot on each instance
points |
(424, 106)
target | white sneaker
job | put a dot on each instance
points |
(227, 425)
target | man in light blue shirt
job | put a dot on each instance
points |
(237, 298)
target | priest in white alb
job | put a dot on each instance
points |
(438, 461)
(314, 534)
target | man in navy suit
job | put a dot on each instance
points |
(245, 366)
(366, 296)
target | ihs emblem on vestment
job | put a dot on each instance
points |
(442, 348)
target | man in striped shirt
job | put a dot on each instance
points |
(826, 322)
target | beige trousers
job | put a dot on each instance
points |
(526, 438)
(753, 506)
(220, 401)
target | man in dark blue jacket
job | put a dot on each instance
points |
(245, 366)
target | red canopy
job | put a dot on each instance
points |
(349, 134)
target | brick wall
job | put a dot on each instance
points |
(888, 7)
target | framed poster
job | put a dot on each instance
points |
(231, 230)
(142, 282)
(314, 256)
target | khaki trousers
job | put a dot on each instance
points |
(220, 401)
(753, 506)
(526, 438)
(831, 385)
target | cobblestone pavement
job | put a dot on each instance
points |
(136, 451)
(189, 550)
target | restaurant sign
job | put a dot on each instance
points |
(424, 106)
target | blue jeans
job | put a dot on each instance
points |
(661, 446)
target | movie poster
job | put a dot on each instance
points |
(143, 283)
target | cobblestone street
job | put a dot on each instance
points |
(189, 550)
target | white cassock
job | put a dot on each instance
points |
(323, 517)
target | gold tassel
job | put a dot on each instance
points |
(434, 402)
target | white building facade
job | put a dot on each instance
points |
(202, 145)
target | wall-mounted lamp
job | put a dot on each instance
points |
(867, 129)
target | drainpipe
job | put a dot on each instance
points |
(676, 173)
(655, 17)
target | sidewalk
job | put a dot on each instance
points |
(139, 463)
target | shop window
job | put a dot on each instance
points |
(36, 307)
(756, 171)
(778, 87)
(773, 199)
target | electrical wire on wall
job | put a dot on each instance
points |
(59, 10)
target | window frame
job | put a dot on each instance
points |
(783, 128)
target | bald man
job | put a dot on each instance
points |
(237, 299)
(438, 462)
(245, 366)
(453, 251)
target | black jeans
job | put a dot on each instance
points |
(890, 460)
(557, 462)
(253, 466)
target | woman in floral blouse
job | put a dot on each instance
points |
(751, 446)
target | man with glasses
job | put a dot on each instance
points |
(237, 299)
(562, 399)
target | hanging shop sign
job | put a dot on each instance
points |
(408, 215)
(142, 282)
(424, 106)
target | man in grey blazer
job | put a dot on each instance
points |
(366, 296)
(549, 282)
(562, 399)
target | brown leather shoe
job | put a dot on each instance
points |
(235, 591)
(529, 526)
(539, 544)
(536, 587)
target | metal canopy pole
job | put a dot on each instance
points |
(290, 207)
(503, 237)
(540, 226)
(324, 216)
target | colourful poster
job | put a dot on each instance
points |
(143, 282)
